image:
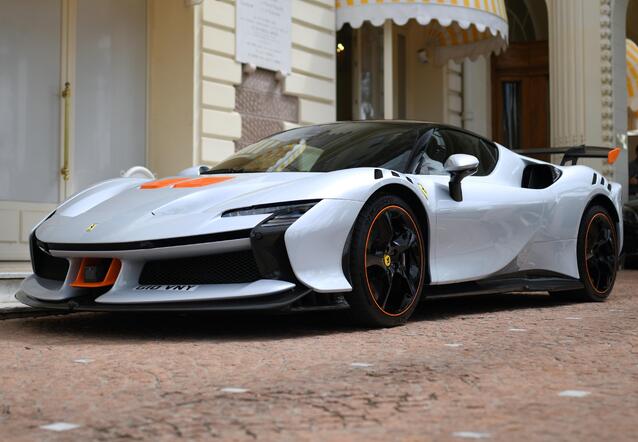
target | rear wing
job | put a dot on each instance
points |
(575, 152)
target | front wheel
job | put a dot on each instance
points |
(387, 263)
(598, 259)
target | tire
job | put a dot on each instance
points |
(387, 263)
(597, 238)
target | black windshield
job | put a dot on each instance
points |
(329, 147)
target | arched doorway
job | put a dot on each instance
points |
(520, 79)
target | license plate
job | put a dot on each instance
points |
(167, 288)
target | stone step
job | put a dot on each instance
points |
(11, 276)
(15, 269)
(8, 289)
(14, 275)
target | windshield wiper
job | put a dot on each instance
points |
(227, 170)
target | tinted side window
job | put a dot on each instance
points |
(489, 156)
(460, 142)
(373, 145)
(329, 147)
(433, 156)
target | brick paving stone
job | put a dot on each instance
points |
(162, 376)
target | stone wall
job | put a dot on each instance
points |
(233, 108)
(263, 106)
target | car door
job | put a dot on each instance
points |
(484, 233)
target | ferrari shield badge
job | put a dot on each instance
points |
(91, 227)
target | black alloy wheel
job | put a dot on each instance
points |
(598, 257)
(387, 263)
(600, 253)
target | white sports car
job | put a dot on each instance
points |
(367, 215)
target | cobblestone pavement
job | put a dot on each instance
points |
(515, 367)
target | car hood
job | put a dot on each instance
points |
(121, 210)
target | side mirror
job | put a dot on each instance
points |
(460, 166)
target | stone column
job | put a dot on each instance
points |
(617, 13)
(574, 72)
(388, 71)
(586, 77)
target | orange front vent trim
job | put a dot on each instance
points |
(158, 184)
(201, 182)
(613, 154)
(111, 274)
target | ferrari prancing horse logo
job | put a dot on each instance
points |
(387, 260)
(91, 227)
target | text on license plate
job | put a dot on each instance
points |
(167, 288)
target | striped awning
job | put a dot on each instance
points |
(632, 75)
(456, 29)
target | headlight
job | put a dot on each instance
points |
(282, 213)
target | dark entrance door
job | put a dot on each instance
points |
(520, 96)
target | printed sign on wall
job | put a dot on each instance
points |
(263, 33)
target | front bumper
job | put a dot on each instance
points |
(302, 257)
(181, 276)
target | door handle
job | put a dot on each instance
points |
(66, 96)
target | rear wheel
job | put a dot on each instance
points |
(387, 263)
(597, 257)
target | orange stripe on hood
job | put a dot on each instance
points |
(158, 184)
(201, 182)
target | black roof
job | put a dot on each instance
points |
(411, 124)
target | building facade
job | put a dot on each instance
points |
(89, 88)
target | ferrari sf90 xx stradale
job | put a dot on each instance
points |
(373, 216)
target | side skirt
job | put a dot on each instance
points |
(505, 284)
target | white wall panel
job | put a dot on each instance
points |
(110, 91)
(219, 40)
(311, 64)
(313, 112)
(314, 15)
(313, 40)
(9, 225)
(310, 87)
(30, 88)
(223, 124)
(219, 14)
(218, 95)
(215, 150)
(219, 68)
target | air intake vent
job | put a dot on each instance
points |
(45, 265)
(222, 268)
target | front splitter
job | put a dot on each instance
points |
(278, 301)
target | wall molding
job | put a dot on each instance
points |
(606, 74)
